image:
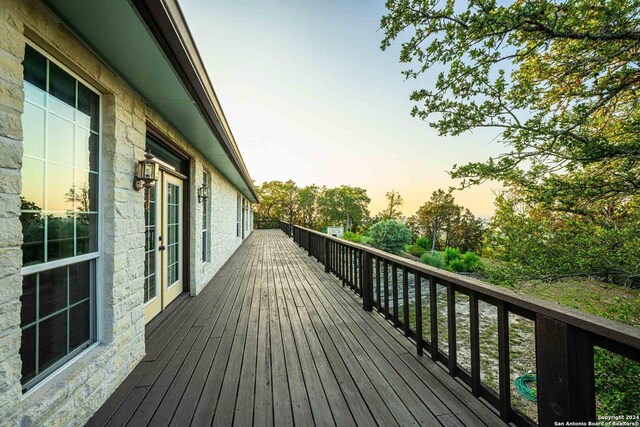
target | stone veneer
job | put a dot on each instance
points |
(75, 392)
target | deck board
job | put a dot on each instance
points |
(274, 340)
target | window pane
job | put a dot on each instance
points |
(88, 104)
(28, 299)
(60, 140)
(85, 192)
(82, 148)
(62, 85)
(59, 236)
(86, 233)
(28, 353)
(34, 94)
(60, 190)
(53, 291)
(33, 130)
(35, 68)
(52, 341)
(32, 184)
(79, 281)
(33, 235)
(79, 324)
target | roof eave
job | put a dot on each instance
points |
(167, 25)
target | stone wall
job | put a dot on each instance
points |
(11, 100)
(75, 392)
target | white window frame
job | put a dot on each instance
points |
(206, 212)
(238, 213)
(96, 302)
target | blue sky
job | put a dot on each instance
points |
(311, 97)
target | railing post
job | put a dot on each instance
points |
(366, 282)
(565, 373)
(326, 254)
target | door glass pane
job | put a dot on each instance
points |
(150, 289)
(173, 233)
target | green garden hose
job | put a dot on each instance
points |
(527, 386)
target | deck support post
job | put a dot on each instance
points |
(367, 281)
(565, 373)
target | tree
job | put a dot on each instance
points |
(558, 80)
(465, 232)
(308, 204)
(345, 205)
(437, 214)
(554, 245)
(278, 200)
(394, 201)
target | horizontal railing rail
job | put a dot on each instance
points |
(398, 288)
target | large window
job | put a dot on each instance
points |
(59, 215)
(206, 240)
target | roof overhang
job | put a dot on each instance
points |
(148, 44)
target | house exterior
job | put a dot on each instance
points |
(87, 261)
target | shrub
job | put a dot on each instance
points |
(389, 235)
(352, 237)
(455, 261)
(424, 243)
(451, 254)
(433, 259)
(415, 250)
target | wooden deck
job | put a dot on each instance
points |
(274, 340)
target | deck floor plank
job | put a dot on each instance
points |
(274, 340)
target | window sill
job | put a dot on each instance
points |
(78, 366)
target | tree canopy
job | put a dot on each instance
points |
(313, 206)
(558, 79)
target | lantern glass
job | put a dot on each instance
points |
(148, 170)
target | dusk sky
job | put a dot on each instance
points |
(311, 97)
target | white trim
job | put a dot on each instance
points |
(37, 268)
(58, 371)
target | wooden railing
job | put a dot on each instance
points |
(564, 338)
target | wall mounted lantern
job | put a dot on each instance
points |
(203, 193)
(146, 175)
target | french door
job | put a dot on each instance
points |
(164, 245)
